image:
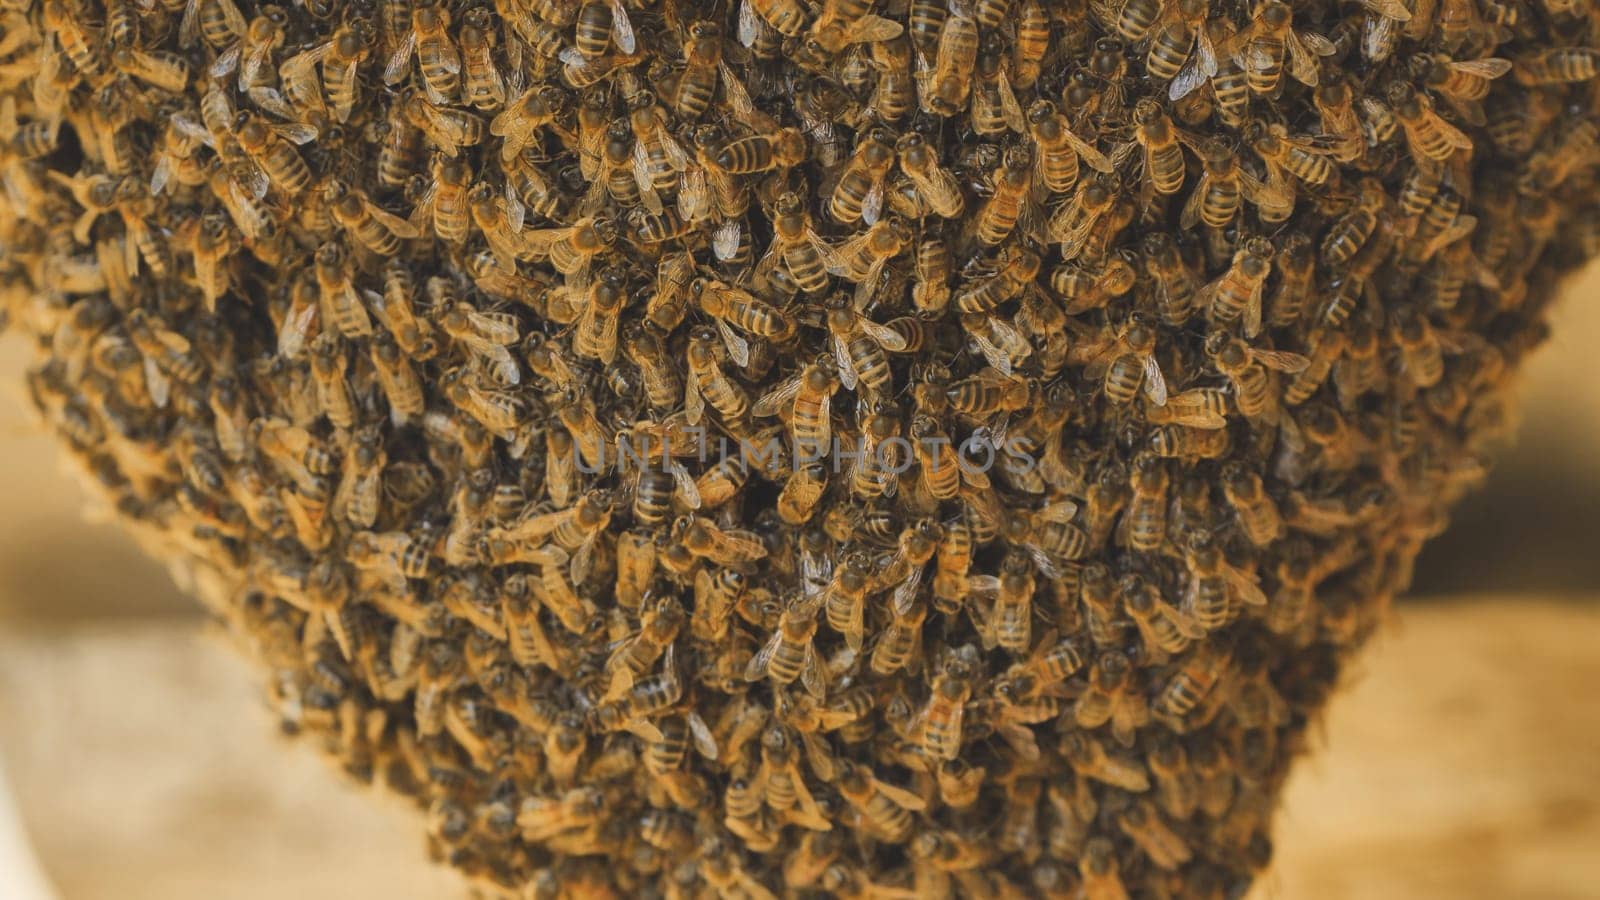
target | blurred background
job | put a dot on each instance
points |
(137, 758)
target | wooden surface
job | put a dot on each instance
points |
(1463, 762)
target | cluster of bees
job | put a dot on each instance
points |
(888, 448)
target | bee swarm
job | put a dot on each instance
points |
(882, 447)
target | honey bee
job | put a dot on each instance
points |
(945, 87)
(707, 383)
(446, 128)
(1018, 268)
(885, 808)
(935, 183)
(1270, 41)
(1163, 157)
(482, 84)
(1199, 674)
(859, 192)
(1254, 387)
(1238, 291)
(437, 57)
(938, 725)
(372, 227)
(271, 147)
(1090, 759)
(1129, 364)
(1143, 825)
(1073, 223)
(789, 653)
(571, 248)
(797, 246)
(1558, 65)
(999, 215)
(1428, 136)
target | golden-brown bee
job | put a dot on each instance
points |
(859, 191)
(804, 255)
(988, 392)
(998, 215)
(570, 248)
(1074, 222)
(1129, 363)
(1557, 65)
(437, 57)
(707, 383)
(1428, 136)
(789, 653)
(1325, 348)
(936, 185)
(482, 84)
(271, 147)
(446, 128)
(1163, 157)
(1295, 156)
(1271, 40)
(1255, 389)
(1195, 678)
(1237, 293)
(214, 242)
(945, 87)
(1216, 198)
(374, 228)
(938, 725)
(1018, 268)
(885, 808)
(807, 398)
(333, 388)
(1258, 513)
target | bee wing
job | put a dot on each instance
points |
(725, 240)
(622, 28)
(1155, 384)
(1009, 107)
(1492, 67)
(495, 329)
(779, 398)
(870, 29)
(296, 132)
(694, 200)
(400, 227)
(1252, 311)
(906, 591)
(687, 488)
(156, 381)
(992, 354)
(743, 107)
(757, 667)
(1061, 511)
(1245, 583)
(872, 205)
(1089, 153)
(694, 405)
(1191, 207)
(900, 796)
(738, 347)
(1281, 360)
(1072, 239)
(750, 23)
(740, 546)
(816, 684)
(847, 369)
(189, 26)
(701, 734)
(1302, 65)
(886, 337)
(225, 63)
(394, 71)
